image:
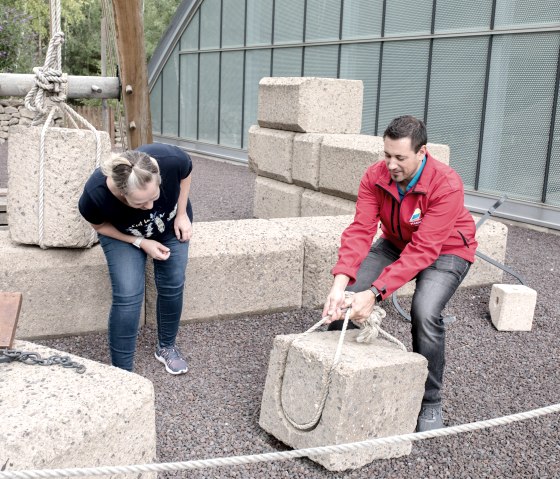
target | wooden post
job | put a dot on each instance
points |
(129, 28)
(10, 306)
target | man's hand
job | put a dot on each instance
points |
(183, 227)
(155, 250)
(362, 305)
(335, 305)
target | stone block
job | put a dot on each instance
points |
(239, 268)
(13, 121)
(10, 110)
(376, 391)
(439, 152)
(274, 199)
(270, 151)
(5, 116)
(65, 291)
(314, 203)
(512, 307)
(306, 156)
(69, 161)
(322, 240)
(54, 418)
(311, 105)
(25, 113)
(344, 160)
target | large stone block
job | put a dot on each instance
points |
(69, 161)
(237, 268)
(54, 418)
(270, 152)
(274, 199)
(439, 152)
(315, 203)
(512, 307)
(306, 156)
(322, 240)
(376, 391)
(311, 105)
(65, 291)
(344, 160)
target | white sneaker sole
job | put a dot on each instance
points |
(170, 371)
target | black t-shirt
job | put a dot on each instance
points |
(98, 205)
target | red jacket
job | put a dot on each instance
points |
(431, 220)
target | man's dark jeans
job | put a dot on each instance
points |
(434, 288)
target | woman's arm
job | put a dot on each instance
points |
(182, 224)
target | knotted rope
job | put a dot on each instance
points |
(371, 329)
(48, 94)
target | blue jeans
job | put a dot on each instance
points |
(434, 288)
(127, 271)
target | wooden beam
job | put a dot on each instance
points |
(10, 307)
(129, 28)
(18, 84)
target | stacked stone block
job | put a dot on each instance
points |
(512, 307)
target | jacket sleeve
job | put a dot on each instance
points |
(426, 243)
(356, 239)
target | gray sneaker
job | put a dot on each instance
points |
(174, 361)
(430, 417)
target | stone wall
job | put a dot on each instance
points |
(13, 112)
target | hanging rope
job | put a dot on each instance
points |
(47, 96)
(371, 329)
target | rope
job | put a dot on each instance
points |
(283, 455)
(371, 329)
(48, 95)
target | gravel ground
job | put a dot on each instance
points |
(213, 410)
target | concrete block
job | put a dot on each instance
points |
(305, 163)
(512, 307)
(53, 417)
(271, 152)
(65, 291)
(376, 391)
(311, 105)
(322, 240)
(274, 199)
(314, 203)
(238, 268)
(344, 160)
(439, 152)
(69, 161)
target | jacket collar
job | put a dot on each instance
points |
(421, 186)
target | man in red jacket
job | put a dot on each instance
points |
(427, 234)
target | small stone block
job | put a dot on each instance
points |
(311, 105)
(305, 163)
(274, 199)
(53, 417)
(270, 151)
(69, 161)
(376, 391)
(344, 160)
(512, 307)
(315, 203)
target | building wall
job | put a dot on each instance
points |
(483, 75)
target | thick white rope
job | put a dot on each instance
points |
(283, 455)
(50, 78)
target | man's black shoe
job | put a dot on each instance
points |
(430, 417)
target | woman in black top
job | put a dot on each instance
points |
(139, 205)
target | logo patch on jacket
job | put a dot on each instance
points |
(416, 219)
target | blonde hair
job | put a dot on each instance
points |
(131, 170)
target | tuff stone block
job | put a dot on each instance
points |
(69, 161)
(236, 268)
(65, 291)
(314, 203)
(270, 153)
(305, 163)
(439, 152)
(322, 240)
(376, 391)
(512, 307)
(311, 105)
(274, 199)
(54, 418)
(344, 160)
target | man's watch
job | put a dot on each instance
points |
(376, 293)
(137, 242)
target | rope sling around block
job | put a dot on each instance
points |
(370, 329)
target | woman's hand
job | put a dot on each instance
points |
(183, 227)
(155, 250)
